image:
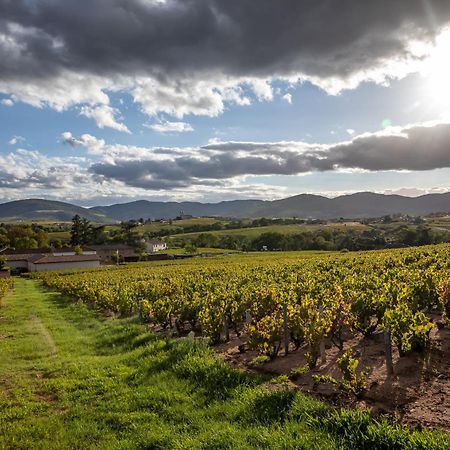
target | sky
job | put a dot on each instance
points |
(110, 101)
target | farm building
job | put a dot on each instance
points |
(44, 263)
(44, 259)
(155, 245)
(110, 252)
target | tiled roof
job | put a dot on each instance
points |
(50, 259)
(26, 251)
(41, 251)
(22, 257)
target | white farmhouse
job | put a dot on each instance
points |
(155, 245)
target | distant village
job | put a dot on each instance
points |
(45, 259)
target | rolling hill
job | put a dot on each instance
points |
(46, 210)
(155, 210)
(360, 205)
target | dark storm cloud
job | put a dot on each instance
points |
(417, 148)
(414, 148)
(264, 38)
(152, 175)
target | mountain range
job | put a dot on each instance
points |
(359, 205)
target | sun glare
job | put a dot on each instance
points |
(438, 72)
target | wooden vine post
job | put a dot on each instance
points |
(388, 352)
(285, 329)
(323, 356)
(226, 328)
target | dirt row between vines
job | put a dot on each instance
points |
(417, 394)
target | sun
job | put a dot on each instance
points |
(438, 72)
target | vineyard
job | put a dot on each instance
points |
(282, 303)
(5, 285)
(297, 318)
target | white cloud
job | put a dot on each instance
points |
(93, 144)
(60, 91)
(171, 127)
(27, 170)
(104, 116)
(15, 140)
(262, 89)
(7, 102)
(178, 97)
(287, 98)
(350, 131)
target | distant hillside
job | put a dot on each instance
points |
(360, 205)
(157, 210)
(37, 209)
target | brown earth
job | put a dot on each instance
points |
(417, 393)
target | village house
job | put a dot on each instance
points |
(45, 259)
(110, 252)
(154, 245)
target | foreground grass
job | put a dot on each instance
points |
(72, 379)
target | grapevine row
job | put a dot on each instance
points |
(316, 298)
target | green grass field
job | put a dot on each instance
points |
(254, 232)
(71, 378)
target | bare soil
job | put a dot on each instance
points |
(417, 393)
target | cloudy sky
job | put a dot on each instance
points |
(107, 101)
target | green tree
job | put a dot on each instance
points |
(81, 231)
(78, 250)
(127, 229)
(190, 248)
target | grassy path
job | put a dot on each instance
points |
(72, 379)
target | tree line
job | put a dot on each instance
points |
(323, 239)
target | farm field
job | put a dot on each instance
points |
(252, 232)
(173, 224)
(73, 378)
(328, 311)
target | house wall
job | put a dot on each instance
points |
(63, 265)
(151, 248)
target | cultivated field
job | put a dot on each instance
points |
(192, 354)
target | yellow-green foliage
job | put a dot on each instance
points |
(5, 285)
(324, 294)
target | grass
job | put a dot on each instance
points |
(71, 378)
(62, 235)
(254, 232)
